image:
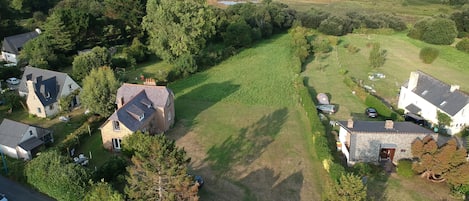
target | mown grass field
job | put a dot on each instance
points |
(244, 129)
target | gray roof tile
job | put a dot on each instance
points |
(129, 114)
(31, 143)
(438, 93)
(378, 127)
(12, 44)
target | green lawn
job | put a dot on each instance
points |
(241, 123)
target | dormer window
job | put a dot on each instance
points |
(147, 103)
(48, 95)
(141, 117)
(443, 103)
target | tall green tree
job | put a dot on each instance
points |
(103, 191)
(377, 56)
(446, 163)
(178, 27)
(99, 91)
(158, 170)
(82, 64)
(300, 44)
(39, 52)
(348, 187)
(57, 176)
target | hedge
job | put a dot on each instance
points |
(73, 139)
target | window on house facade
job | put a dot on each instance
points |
(141, 117)
(70, 87)
(51, 107)
(39, 110)
(30, 132)
(116, 125)
(116, 143)
(169, 116)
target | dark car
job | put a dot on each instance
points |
(371, 112)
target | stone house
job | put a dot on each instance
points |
(424, 95)
(374, 141)
(44, 88)
(19, 140)
(147, 108)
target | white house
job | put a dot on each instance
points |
(12, 45)
(44, 88)
(19, 140)
(424, 95)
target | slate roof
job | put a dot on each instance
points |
(11, 132)
(12, 44)
(31, 143)
(438, 93)
(131, 112)
(158, 95)
(377, 127)
(48, 84)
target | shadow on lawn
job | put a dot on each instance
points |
(271, 188)
(249, 144)
(191, 104)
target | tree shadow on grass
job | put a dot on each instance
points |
(264, 184)
(249, 144)
(192, 103)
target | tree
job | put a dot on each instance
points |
(463, 45)
(238, 34)
(57, 176)
(103, 191)
(377, 56)
(82, 64)
(300, 44)
(447, 163)
(349, 187)
(443, 119)
(178, 27)
(439, 31)
(99, 91)
(158, 170)
(39, 52)
(335, 25)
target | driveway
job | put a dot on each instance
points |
(17, 192)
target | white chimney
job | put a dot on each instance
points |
(350, 123)
(454, 88)
(413, 80)
(388, 124)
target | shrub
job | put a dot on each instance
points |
(404, 168)
(362, 169)
(111, 169)
(428, 54)
(463, 45)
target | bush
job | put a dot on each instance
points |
(112, 168)
(404, 168)
(362, 169)
(463, 45)
(428, 54)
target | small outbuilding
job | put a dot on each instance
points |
(19, 140)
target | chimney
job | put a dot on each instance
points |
(453, 88)
(389, 124)
(350, 123)
(149, 81)
(413, 80)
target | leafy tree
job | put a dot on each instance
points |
(418, 29)
(127, 13)
(440, 31)
(428, 54)
(99, 91)
(103, 191)
(313, 18)
(321, 45)
(461, 19)
(158, 170)
(463, 45)
(447, 163)
(377, 56)
(300, 44)
(178, 27)
(57, 176)
(39, 52)
(349, 187)
(238, 34)
(443, 119)
(84, 63)
(56, 31)
(137, 50)
(335, 25)
(111, 169)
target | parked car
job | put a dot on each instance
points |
(371, 112)
(326, 108)
(13, 80)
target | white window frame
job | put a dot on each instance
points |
(117, 143)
